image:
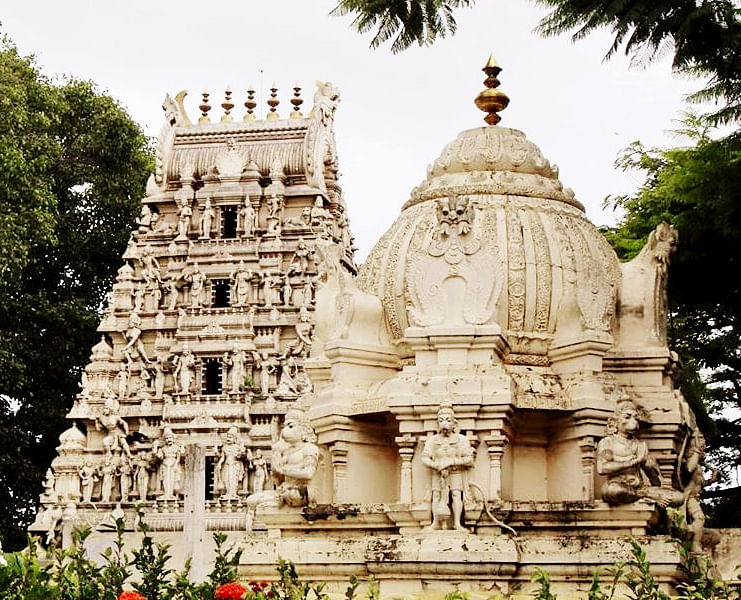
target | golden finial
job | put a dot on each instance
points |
(227, 105)
(297, 101)
(492, 100)
(273, 103)
(205, 107)
(250, 104)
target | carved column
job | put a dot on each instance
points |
(495, 443)
(407, 444)
(194, 518)
(588, 448)
(338, 452)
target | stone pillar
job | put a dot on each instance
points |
(495, 443)
(194, 518)
(407, 445)
(338, 452)
(588, 448)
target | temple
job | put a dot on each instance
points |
(491, 392)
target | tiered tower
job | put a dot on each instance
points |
(209, 321)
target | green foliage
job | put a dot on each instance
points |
(73, 167)
(420, 21)
(150, 560)
(543, 579)
(704, 36)
(72, 575)
(639, 579)
(698, 190)
(226, 562)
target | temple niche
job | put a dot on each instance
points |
(490, 392)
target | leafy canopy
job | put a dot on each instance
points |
(73, 166)
(703, 35)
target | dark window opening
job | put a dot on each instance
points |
(220, 293)
(228, 221)
(211, 369)
(210, 477)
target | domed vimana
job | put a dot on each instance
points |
(491, 393)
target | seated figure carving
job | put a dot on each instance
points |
(293, 462)
(632, 472)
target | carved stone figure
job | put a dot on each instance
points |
(197, 280)
(242, 284)
(302, 344)
(185, 371)
(171, 286)
(229, 468)
(237, 362)
(260, 476)
(300, 262)
(159, 376)
(287, 290)
(249, 218)
(450, 455)
(185, 212)
(625, 460)
(207, 218)
(107, 474)
(294, 461)
(124, 478)
(134, 346)
(150, 266)
(144, 220)
(49, 485)
(693, 481)
(320, 216)
(88, 477)
(169, 454)
(268, 364)
(142, 462)
(116, 429)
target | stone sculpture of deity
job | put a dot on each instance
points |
(237, 360)
(116, 429)
(242, 284)
(170, 455)
(450, 455)
(88, 477)
(185, 371)
(625, 461)
(229, 468)
(294, 460)
(207, 218)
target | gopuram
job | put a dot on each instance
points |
(489, 393)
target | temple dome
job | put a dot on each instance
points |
(491, 237)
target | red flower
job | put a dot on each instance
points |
(129, 595)
(229, 591)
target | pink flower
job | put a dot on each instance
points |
(229, 591)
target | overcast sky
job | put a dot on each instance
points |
(397, 111)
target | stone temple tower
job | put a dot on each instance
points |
(491, 392)
(210, 320)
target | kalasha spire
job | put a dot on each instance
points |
(492, 100)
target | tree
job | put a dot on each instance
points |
(73, 167)
(698, 189)
(704, 35)
(420, 21)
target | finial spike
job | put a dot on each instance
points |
(205, 107)
(492, 100)
(273, 103)
(227, 105)
(297, 101)
(250, 104)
